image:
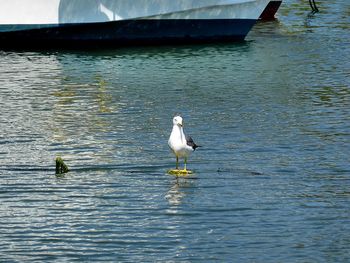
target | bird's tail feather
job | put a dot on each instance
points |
(196, 146)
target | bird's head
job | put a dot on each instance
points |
(178, 121)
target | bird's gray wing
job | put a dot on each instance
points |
(190, 142)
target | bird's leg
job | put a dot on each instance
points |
(185, 164)
(177, 163)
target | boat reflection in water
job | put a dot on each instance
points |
(120, 22)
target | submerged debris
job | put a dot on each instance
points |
(61, 167)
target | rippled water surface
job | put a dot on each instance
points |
(271, 182)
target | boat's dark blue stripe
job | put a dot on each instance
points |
(19, 27)
(132, 31)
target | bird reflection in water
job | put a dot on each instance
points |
(179, 190)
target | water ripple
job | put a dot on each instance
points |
(270, 184)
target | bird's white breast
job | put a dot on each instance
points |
(177, 142)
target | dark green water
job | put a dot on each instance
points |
(271, 182)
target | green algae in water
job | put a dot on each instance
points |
(61, 167)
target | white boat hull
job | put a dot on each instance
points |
(122, 21)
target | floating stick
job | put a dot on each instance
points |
(313, 6)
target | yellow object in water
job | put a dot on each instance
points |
(178, 172)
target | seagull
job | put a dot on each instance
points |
(182, 145)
